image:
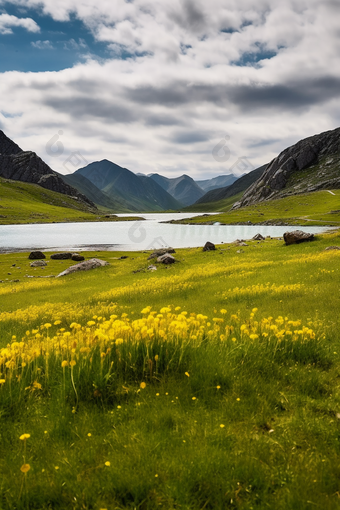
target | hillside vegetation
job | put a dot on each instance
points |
(212, 383)
(29, 203)
(316, 208)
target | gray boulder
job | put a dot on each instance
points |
(161, 251)
(77, 258)
(84, 266)
(258, 237)
(36, 255)
(166, 259)
(209, 246)
(297, 236)
(332, 248)
(38, 263)
(61, 256)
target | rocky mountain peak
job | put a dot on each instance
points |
(309, 165)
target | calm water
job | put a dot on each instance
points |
(130, 236)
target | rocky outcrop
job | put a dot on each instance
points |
(286, 174)
(297, 237)
(7, 146)
(166, 259)
(28, 167)
(209, 246)
(36, 255)
(161, 251)
(84, 266)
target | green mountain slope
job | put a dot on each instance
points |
(222, 199)
(140, 193)
(97, 196)
(183, 188)
(30, 203)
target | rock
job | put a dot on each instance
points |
(297, 236)
(38, 263)
(77, 258)
(61, 256)
(152, 268)
(84, 266)
(166, 259)
(36, 255)
(242, 243)
(332, 248)
(288, 165)
(209, 246)
(161, 251)
(123, 257)
(258, 237)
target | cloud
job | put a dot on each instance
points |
(42, 45)
(7, 22)
(179, 76)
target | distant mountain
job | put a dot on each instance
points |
(220, 181)
(139, 193)
(237, 187)
(17, 165)
(97, 196)
(309, 165)
(183, 188)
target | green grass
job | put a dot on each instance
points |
(317, 208)
(29, 203)
(278, 403)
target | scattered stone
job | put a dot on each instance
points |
(296, 237)
(9, 273)
(332, 248)
(77, 258)
(242, 244)
(84, 266)
(166, 259)
(152, 268)
(161, 251)
(123, 257)
(13, 265)
(38, 263)
(258, 237)
(61, 256)
(239, 251)
(209, 246)
(36, 255)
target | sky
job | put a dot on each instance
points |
(168, 86)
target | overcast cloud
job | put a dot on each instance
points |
(173, 79)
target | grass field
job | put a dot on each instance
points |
(211, 383)
(317, 208)
(21, 202)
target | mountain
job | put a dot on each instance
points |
(18, 165)
(237, 187)
(310, 165)
(140, 193)
(221, 181)
(183, 188)
(97, 196)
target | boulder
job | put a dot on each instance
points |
(209, 246)
(84, 266)
(152, 268)
(258, 237)
(297, 236)
(38, 263)
(166, 259)
(161, 251)
(77, 258)
(61, 256)
(332, 248)
(36, 255)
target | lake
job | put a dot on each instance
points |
(131, 236)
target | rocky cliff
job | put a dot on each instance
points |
(23, 166)
(309, 165)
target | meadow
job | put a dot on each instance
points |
(315, 208)
(212, 383)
